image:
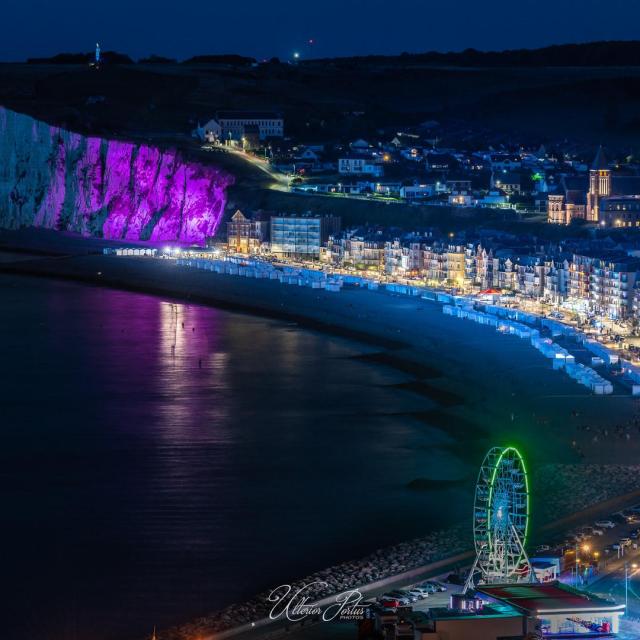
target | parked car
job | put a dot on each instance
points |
(428, 586)
(564, 545)
(402, 601)
(401, 593)
(389, 604)
(420, 592)
(452, 578)
(625, 542)
(605, 524)
(542, 547)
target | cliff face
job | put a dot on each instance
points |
(54, 178)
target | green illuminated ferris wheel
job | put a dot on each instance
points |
(501, 520)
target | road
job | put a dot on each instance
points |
(280, 181)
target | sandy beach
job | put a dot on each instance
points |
(454, 363)
(478, 381)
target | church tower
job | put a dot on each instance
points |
(599, 185)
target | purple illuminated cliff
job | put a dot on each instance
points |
(53, 178)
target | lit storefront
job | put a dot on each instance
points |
(558, 610)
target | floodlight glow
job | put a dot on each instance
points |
(109, 188)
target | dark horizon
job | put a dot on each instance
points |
(40, 29)
(609, 53)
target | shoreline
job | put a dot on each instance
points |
(276, 301)
(407, 349)
(34, 268)
(337, 314)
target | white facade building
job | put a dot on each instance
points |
(232, 124)
(359, 166)
(212, 131)
(417, 191)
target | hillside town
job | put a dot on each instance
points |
(433, 164)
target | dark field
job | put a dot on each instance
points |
(337, 100)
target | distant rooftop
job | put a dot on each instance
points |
(249, 115)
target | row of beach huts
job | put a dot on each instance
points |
(129, 251)
(526, 326)
(512, 321)
(258, 269)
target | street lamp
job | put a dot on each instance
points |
(634, 566)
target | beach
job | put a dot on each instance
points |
(515, 394)
(513, 386)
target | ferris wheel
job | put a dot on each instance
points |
(501, 520)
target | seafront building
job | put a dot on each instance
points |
(246, 235)
(354, 251)
(604, 282)
(301, 236)
(555, 280)
(502, 611)
(611, 287)
(587, 277)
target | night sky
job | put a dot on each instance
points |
(339, 27)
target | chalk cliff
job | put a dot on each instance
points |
(61, 180)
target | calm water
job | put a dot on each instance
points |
(160, 460)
